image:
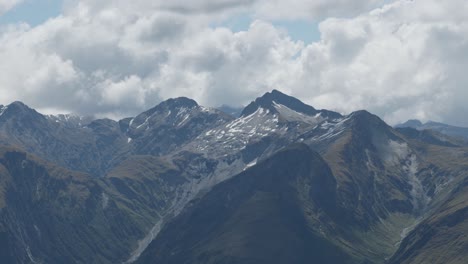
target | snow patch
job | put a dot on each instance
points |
(38, 231)
(207, 109)
(235, 135)
(30, 256)
(333, 128)
(2, 110)
(105, 201)
(144, 123)
(251, 164)
(291, 115)
(181, 123)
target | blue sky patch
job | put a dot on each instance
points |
(33, 12)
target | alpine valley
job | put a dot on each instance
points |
(281, 182)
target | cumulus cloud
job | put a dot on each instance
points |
(402, 60)
(398, 63)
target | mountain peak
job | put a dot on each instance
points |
(268, 101)
(365, 117)
(17, 105)
(180, 102)
(277, 93)
(276, 102)
(171, 105)
(414, 123)
(16, 109)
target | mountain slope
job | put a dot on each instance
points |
(266, 214)
(440, 235)
(384, 188)
(49, 214)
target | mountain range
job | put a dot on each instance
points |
(279, 182)
(452, 131)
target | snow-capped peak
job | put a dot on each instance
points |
(268, 100)
(272, 100)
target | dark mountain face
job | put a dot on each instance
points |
(53, 215)
(431, 137)
(267, 214)
(414, 123)
(306, 184)
(440, 238)
(439, 235)
(18, 109)
(49, 214)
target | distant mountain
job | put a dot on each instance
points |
(182, 183)
(233, 111)
(453, 131)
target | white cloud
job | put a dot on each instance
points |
(403, 60)
(397, 62)
(6, 5)
(312, 9)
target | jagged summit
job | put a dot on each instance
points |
(365, 117)
(172, 104)
(270, 99)
(18, 109)
(275, 100)
(169, 124)
(164, 110)
(18, 106)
